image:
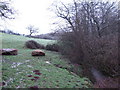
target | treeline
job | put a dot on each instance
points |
(10, 32)
(50, 36)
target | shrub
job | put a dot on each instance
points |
(71, 48)
(34, 45)
(104, 54)
(52, 47)
(100, 53)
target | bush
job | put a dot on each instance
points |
(100, 53)
(104, 54)
(34, 45)
(70, 48)
(52, 47)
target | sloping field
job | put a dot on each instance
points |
(25, 71)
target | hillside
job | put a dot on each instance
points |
(19, 71)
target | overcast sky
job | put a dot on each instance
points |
(32, 12)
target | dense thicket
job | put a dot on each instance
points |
(90, 36)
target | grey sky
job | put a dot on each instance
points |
(32, 12)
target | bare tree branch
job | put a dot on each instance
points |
(6, 11)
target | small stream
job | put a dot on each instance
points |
(97, 74)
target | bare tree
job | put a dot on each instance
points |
(88, 17)
(32, 29)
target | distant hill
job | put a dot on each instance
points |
(51, 36)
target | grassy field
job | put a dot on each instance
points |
(25, 71)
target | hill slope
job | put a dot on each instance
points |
(24, 71)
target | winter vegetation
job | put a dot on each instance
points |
(81, 53)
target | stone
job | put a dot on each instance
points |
(8, 51)
(38, 53)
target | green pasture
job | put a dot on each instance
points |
(18, 71)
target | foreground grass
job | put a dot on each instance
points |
(19, 71)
